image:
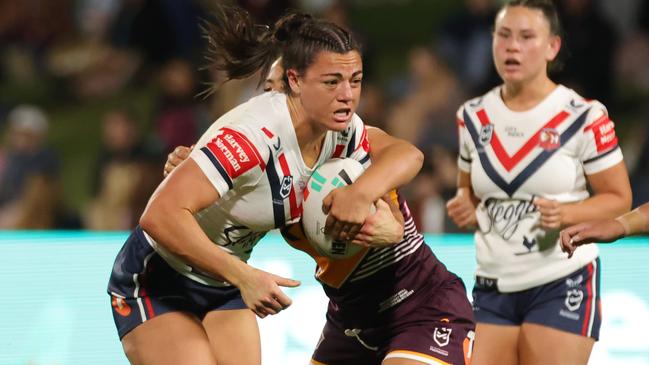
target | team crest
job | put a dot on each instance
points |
(549, 139)
(442, 336)
(574, 297)
(486, 132)
(287, 184)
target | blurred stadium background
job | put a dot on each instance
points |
(95, 93)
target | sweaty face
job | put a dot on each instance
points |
(330, 88)
(523, 44)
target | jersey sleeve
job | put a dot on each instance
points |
(231, 158)
(356, 144)
(464, 154)
(599, 146)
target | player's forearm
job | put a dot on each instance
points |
(176, 230)
(393, 166)
(599, 206)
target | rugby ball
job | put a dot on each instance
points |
(335, 173)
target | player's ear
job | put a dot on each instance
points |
(293, 81)
(553, 48)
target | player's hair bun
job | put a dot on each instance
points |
(288, 26)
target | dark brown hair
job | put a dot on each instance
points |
(239, 47)
(547, 7)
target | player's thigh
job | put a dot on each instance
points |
(173, 338)
(495, 344)
(544, 345)
(234, 336)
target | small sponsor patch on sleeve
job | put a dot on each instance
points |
(604, 133)
(365, 142)
(234, 152)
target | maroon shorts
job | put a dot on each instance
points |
(437, 330)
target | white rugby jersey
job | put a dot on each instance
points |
(514, 157)
(252, 157)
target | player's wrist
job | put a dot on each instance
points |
(365, 192)
(634, 222)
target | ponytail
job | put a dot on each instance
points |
(237, 46)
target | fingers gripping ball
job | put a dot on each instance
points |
(332, 174)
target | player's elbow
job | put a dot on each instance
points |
(413, 156)
(148, 221)
(625, 201)
(152, 219)
(621, 203)
(418, 157)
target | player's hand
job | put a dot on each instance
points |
(347, 210)
(261, 292)
(607, 230)
(551, 213)
(380, 228)
(178, 155)
(461, 209)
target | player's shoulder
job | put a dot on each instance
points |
(479, 102)
(575, 102)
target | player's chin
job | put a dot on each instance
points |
(337, 125)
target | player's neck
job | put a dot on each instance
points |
(526, 95)
(309, 137)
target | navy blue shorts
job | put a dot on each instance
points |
(142, 285)
(438, 330)
(570, 304)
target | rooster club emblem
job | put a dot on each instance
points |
(549, 139)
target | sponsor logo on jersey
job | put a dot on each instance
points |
(574, 104)
(287, 185)
(574, 297)
(442, 336)
(604, 133)
(477, 102)
(486, 133)
(234, 152)
(514, 132)
(365, 142)
(397, 298)
(241, 237)
(120, 306)
(506, 215)
(549, 139)
(278, 145)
